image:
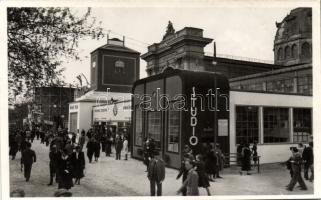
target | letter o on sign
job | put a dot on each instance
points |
(193, 140)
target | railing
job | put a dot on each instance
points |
(237, 159)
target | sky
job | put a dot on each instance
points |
(238, 31)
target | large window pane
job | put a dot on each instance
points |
(276, 125)
(173, 131)
(154, 127)
(302, 124)
(247, 125)
(138, 126)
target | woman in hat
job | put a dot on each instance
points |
(65, 171)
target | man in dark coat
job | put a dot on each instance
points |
(78, 163)
(27, 159)
(90, 149)
(82, 139)
(118, 146)
(156, 175)
(54, 156)
(307, 157)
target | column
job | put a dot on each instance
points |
(261, 126)
(291, 124)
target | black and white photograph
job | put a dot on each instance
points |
(148, 99)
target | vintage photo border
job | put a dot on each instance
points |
(315, 4)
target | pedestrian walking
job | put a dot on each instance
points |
(27, 159)
(296, 163)
(13, 144)
(65, 171)
(211, 163)
(118, 146)
(183, 172)
(54, 156)
(254, 152)
(96, 149)
(191, 182)
(109, 142)
(90, 149)
(307, 157)
(82, 139)
(239, 153)
(148, 152)
(202, 176)
(69, 147)
(78, 163)
(156, 175)
(125, 147)
(220, 161)
(246, 159)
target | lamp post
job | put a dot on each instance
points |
(216, 104)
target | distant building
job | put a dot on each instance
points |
(50, 105)
(114, 68)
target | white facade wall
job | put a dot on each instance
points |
(270, 153)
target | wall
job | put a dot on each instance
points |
(270, 152)
(85, 115)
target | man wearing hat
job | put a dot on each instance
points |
(156, 175)
(54, 156)
(27, 159)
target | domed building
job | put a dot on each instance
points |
(293, 39)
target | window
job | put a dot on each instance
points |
(305, 84)
(276, 125)
(280, 53)
(119, 66)
(173, 131)
(138, 126)
(247, 124)
(302, 124)
(282, 85)
(294, 51)
(287, 52)
(154, 127)
(305, 50)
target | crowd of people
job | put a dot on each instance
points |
(66, 156)
(200, 166)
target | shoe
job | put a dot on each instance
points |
(302, 188)
(219, 177)
(288, 189)
(248, 173)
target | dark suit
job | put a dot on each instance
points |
(307, 157)
(27, 159)
(156, 175)
(78, 163)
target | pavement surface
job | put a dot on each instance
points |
(110, 177)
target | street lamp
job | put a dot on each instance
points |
(216, 104)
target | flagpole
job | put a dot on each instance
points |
(215, 83)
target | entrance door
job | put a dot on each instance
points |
(73, 122)
(154, 129)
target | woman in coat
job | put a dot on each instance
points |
(211, 163)
(65, 171)
(90, 149)
(202, 176)
(78, 163)
(246, 159)
(96, 149)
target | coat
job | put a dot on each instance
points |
(28, 157)
(246, 159)
(65, 173)
(202, 177)
(78, 164)
(191, 183)
(307, 156)
(156, 170)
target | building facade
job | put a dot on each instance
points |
(50, 105)
(114, 68)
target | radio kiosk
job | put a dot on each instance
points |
(177, 108)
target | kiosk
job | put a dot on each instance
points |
(177, 108)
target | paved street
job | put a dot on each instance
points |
(109, 177)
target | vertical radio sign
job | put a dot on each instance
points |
(193, 140)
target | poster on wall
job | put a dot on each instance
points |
(222, 127)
